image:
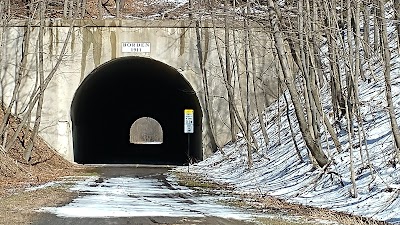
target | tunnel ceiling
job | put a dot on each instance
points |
(115, 95)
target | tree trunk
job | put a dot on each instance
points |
(42, 87)
(117, 8)
(350, 69)
(4, 5)
(256, 100)
(35, 130)
(396, 5)
(71, 9)
(358, 66)
(311, 77)
(66, 5)
(366, 38)
(352, 87)
(291, 130)
(246, 55)
(231, 96)
(335, 81)
(19, 76)
(202, 59)
(287, 76)
(83, 9)
(358, 74)
(377, 39)
(239, 119)
(305, 69)
(388, 84)
(353, 190)
(207, 104)
(100, 9)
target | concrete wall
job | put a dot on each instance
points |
(96, 42)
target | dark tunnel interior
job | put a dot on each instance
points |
(123, 90)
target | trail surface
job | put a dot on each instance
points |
(130, 195)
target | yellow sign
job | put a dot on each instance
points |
(189, 111)
(188, 128)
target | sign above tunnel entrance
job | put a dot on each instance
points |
(188, 128)
(136, 47)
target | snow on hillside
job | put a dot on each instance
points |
(278, 172)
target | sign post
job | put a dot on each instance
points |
(189, 128)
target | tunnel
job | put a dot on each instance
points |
(111, 104)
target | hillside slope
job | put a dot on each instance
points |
(46, 164)
(279, 172)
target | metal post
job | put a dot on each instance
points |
(188, 129)
(188, 151)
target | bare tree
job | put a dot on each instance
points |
(100, 9)
(38, 92)
(366, 37)
(4, 17)
(335, 78)
(83, 8)
(258, 108)
(117, 8)
(352, 94)
(377, 27)
(388, 85)
(119, 5)
(72, 9)
(66, 6)
(35, 130)
(287, 76)
(18, 79)
(201, 55)
(249, 136)
(291, 129)
(228, 70)
(248, 104)
(396, 5)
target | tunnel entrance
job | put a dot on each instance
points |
(135, 97)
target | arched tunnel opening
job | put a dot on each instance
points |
(122, 91)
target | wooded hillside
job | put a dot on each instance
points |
(319, 45)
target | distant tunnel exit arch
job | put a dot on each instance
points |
(146, 130)
(118, 93)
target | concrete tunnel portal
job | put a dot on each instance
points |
(126, 90)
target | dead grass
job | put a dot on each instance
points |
(196, 181)
(19, 208)
(271, 221)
